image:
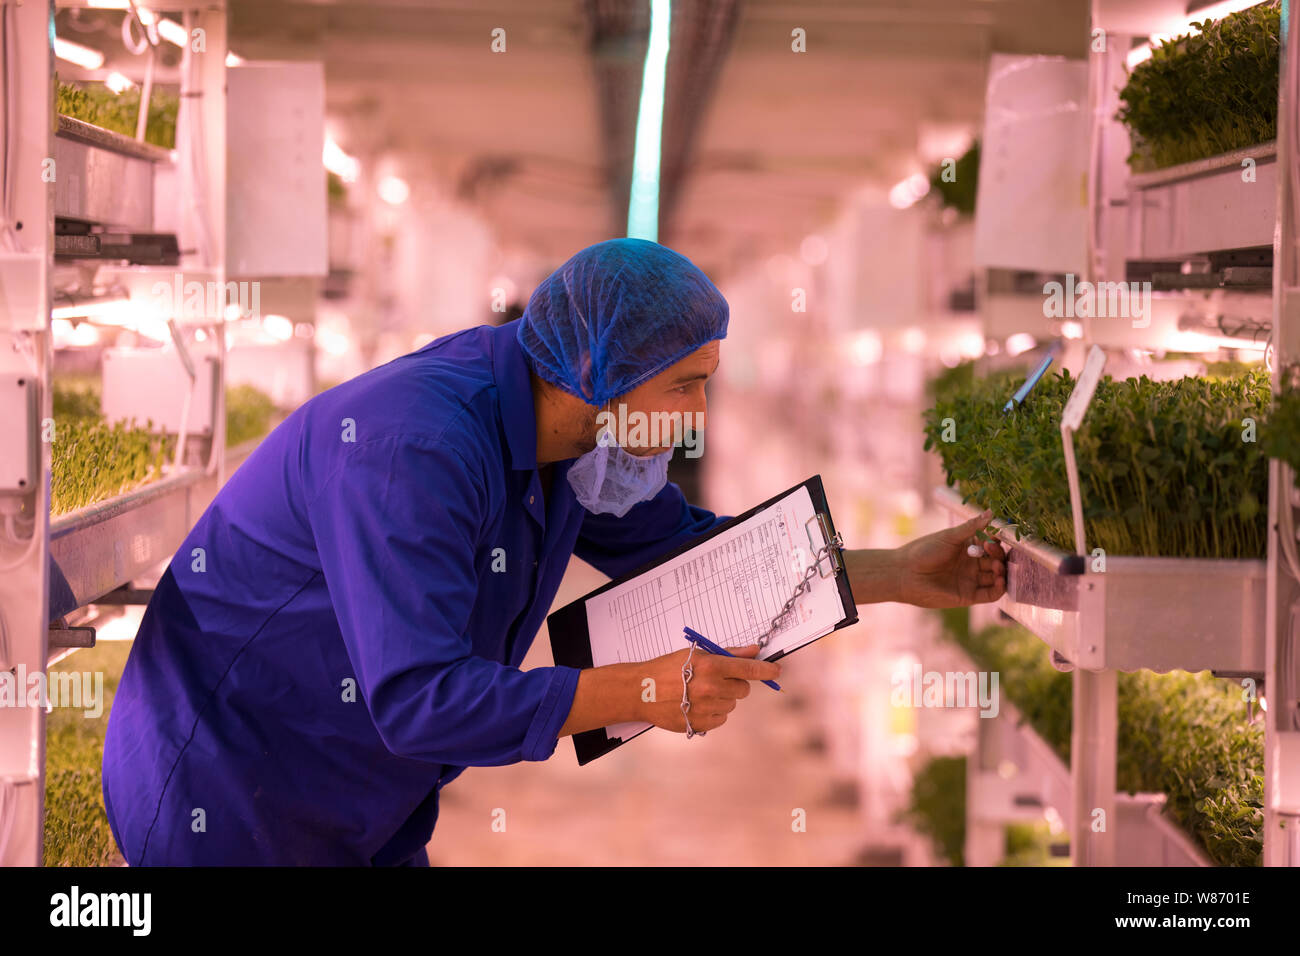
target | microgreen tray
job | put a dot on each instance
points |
(98, 548)
(1207, 205)
(1161, 614)
(1144, 835)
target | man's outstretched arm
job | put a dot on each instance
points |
(936, 570)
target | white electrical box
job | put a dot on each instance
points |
(1032, 196)
(276, 196)
(283, 371)
(150, 384)
(18, 460)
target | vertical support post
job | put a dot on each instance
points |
(25, 258)
(201, 155)
(1092, 768)
(985, 837)
(1094, 729)
(1281, 682)
(1108, 146)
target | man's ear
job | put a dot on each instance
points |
(593, 418)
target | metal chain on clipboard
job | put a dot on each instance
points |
(804, 584)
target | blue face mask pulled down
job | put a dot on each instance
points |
(610, 480)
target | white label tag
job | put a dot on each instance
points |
(1081, 397)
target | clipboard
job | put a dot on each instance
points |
(571, 638)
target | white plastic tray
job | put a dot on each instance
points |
(1161, 614)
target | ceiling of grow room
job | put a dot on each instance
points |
(759, 150)
(780, 141)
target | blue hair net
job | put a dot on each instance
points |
(616, 314)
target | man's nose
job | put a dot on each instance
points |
(695, 418)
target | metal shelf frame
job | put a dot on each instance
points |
(1039, 779)
(99, 548)
(101, 545)
(1210, 613)
(88, 134)
(1203, 207)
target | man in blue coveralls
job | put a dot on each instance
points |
(340, 634)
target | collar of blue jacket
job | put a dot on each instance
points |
(514, 384)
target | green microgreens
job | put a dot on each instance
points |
(92, 460)
(1165, 468)
(1185, 735)
(1206, 93)
(98, 105)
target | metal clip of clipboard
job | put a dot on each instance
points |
(831, 546)
(830, 543)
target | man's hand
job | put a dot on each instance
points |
(937, 571)
(716, 684)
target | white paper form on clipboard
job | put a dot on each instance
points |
(728, 588)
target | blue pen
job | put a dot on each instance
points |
(1018, 399)
(708, 645)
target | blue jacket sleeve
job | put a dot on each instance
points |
(651, 528)
(396, 527)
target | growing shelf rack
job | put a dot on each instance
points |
(1160, 614)
(1014, 775)
(107, 186)
(99, 548)
(1218, 240)
(1206, 206)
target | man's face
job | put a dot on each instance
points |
(677, 391)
